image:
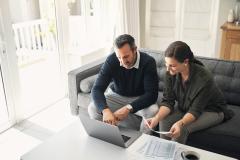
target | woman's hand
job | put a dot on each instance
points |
(152, 122)
(175, 130)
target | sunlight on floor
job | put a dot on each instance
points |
(25, 136)
(14, 143)
(55, 118)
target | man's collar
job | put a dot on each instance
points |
(136, 65)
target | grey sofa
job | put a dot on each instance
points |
(223, 138)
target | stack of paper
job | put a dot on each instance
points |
(157, 148)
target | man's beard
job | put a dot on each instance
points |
(128, 66)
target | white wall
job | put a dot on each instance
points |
(217, 17)
(142, 11)
(24, 10)
(224, 7)
(16, 11)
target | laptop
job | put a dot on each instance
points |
(117, 135)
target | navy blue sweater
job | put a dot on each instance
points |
(142, 82)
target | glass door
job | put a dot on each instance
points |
(38, 60)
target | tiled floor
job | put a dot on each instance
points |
(24, 136)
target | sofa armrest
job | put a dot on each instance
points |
(74, 78)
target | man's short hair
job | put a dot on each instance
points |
(121, 40)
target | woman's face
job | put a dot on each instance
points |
(174, 67)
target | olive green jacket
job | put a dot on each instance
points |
(202, 93)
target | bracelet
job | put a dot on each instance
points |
(182, 124)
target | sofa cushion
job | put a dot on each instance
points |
(227, 77)
(87, 83)
(161, 69)
(223, 138)
(222, 144)
(230, 127)
(84, 100)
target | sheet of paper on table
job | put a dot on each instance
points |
(155, 148)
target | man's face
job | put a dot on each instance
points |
(126, 56)
(173, 66)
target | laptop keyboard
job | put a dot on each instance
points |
(125, 138)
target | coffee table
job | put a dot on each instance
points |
(73, 143)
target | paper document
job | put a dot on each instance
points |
(154, 130)
(157, 149)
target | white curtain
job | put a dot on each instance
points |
(119, 17)
(127, 19)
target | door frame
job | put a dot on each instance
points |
(9, 66)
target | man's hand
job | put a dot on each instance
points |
(121, 113)
(108, 117)
(175, 130)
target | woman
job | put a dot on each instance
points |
(200, 103)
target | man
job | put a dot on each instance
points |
(134, 90)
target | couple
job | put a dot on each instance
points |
(133, 91)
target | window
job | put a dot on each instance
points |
(90, 28)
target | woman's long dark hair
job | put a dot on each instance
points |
(181, 51)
